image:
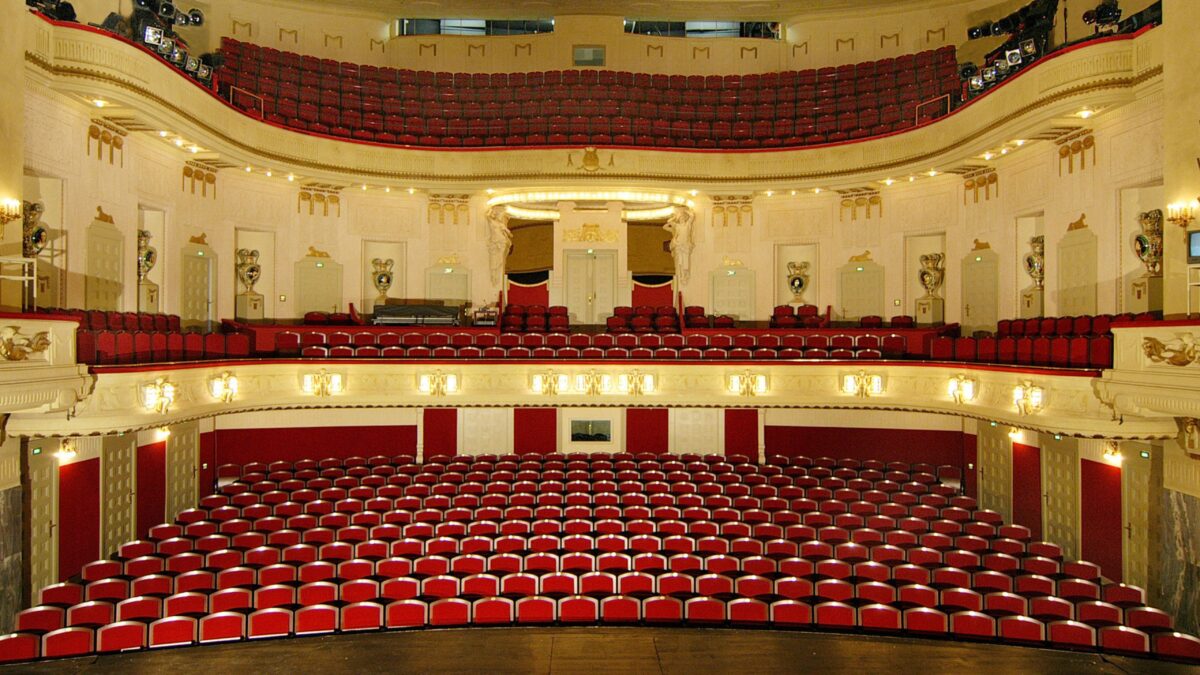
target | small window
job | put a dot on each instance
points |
(591, 431)
(589, 55)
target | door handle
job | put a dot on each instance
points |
(968, 309)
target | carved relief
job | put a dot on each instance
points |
(314, 252)
(290, 32)
(14, 346)
(479, 49)
(752, 51)
(422, 47)
(940, 33)
(1077, 143)
(333, 39)
(802, 45)
(865, 256)
(526, 47)
(590, 161)
(1080, 224)
(1179, 351)
(853, 200)
(697, 51)
(590, 232)
(323, 198)
(199, 174)
(247, 26)
(894, 38)
(106, 134)
(838, 43)
(449, 209)
(650, 49)
(735, 210)
(984, 179)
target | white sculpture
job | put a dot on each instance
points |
(680, 227)
(499, 241)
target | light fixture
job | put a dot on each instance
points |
(1086, 113)
(291, 177)
(816, 191)
(223, 387)
(322, 383)
(1028, 398)
(163, 134)
(178, 142)
(1004, 151)
(489, 191)
(412, 191)
(888, 182)
(99, 103)
(988, 155)
(194, 149)
(364, 187)
(1019, 142)
(747, 384)
(912, 179)
(158, 396)
(550, 383)
(66, 450)
(636, 383)
(387, 189)
(268, 173)
(248, 168)
(693, 192)
(1112, 454)
(10, 210)
(162, 433)
(1014, 434)
(1182, 214)
(862, 384)
(770, 193)
(592, 383)
(437, 383)
(962, 389)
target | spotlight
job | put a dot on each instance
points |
(153, 36)
(989, 74)
(1013, 57)
(193, 64)
(197, 17)
(1029, 48)
(967, 70)
(166, 10)
(182, 19)
(998, 28)
(145, 4)
(1001, 67)
(976, 83)
(975, 32)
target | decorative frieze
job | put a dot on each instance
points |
(860, 199)
(449, 209)
(199, 174)
(735, 210)
(983, 179)
(103, 135)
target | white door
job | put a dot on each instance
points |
(980, 288)
(995, 471)
(117, 491)
(860, 290)
(105, 252)
(43, 514)
(196, 288)
(590, 279)
(733, 292)
(1060, 493)
(1077, 273)
(1135, 501)
(318, 285)
(183, 447)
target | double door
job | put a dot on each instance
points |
(590, 284)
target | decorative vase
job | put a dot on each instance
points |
(34, 235)
(147, 255)
(248, 269)
(797, 279)
(382, 277)
(1149, 244)
(1035, 261)
(931, 273)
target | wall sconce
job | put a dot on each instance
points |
(862, 384)
(550, 383)
(1182, 214)
(223, 387)
(10, 210)
(437, 383)
(962, 389)
(638, 383)
(1028, 398)
(159, 396)
(1014, 435)
(66, 451)
(162, 434)
(1112, 454)
(322, 383)
(747, 384)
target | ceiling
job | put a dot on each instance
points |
(745, 10)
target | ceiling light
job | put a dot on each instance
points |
(387, 189)
(178, 142)
(1004, 151)
(194, 149)
(490, 191)
(248, 168)
(99, 103)
(291, 177)
(770, 193)
(163, 134)
(268, 173)
(816, 191)
(911, 178)
(1019, 142)
(364, 186)
(932, 173)
(693, 192)
(888, 182)
(1086, 113)
(412, 191)
(988, 155)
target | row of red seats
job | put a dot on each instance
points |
(537, 318)
(107, 347)
(1050, 326)
(665, 353)
(1057, 352)
(271, 59)
(96, 319)
(228, 626)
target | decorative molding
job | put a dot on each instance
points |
(16, 346)
(838, 42)
(1189, 428)
(453, 208)
(372, 43)
(590, 232)
(654, 48)
(294, 33)
(590, 161)
(894, 37)
(526, 47)
(737, 210)
(235, 25)
(330, 39)
(982, 179)
(697, 51)
(480, 48)
(315, 196)
(940, 32)
(753, 51)
(802, 45)
(199, 172)
(1181, 351)
(866, 199)
(422, 46)
(105, 133)
(451, 259)
(1077, 143)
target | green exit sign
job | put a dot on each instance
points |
(37, 451)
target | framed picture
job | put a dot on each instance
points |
(591, 431)
(588, 55)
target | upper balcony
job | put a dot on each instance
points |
(142, 91)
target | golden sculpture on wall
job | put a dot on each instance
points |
(853, 200)
(590, 232)
(1077, 143)
(314, 197)
(865, 256)
(199, 240)
(199, 173)
(102, 216)
(984, 179)
(735, 210)
(106, 134)
(590, 161)
(1080, 224)
(449, 209)
(314, 252)
(17, 347)
(1180, 351)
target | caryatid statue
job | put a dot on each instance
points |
(680, 226)
(499, 241)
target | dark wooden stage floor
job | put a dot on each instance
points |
(677, 651)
